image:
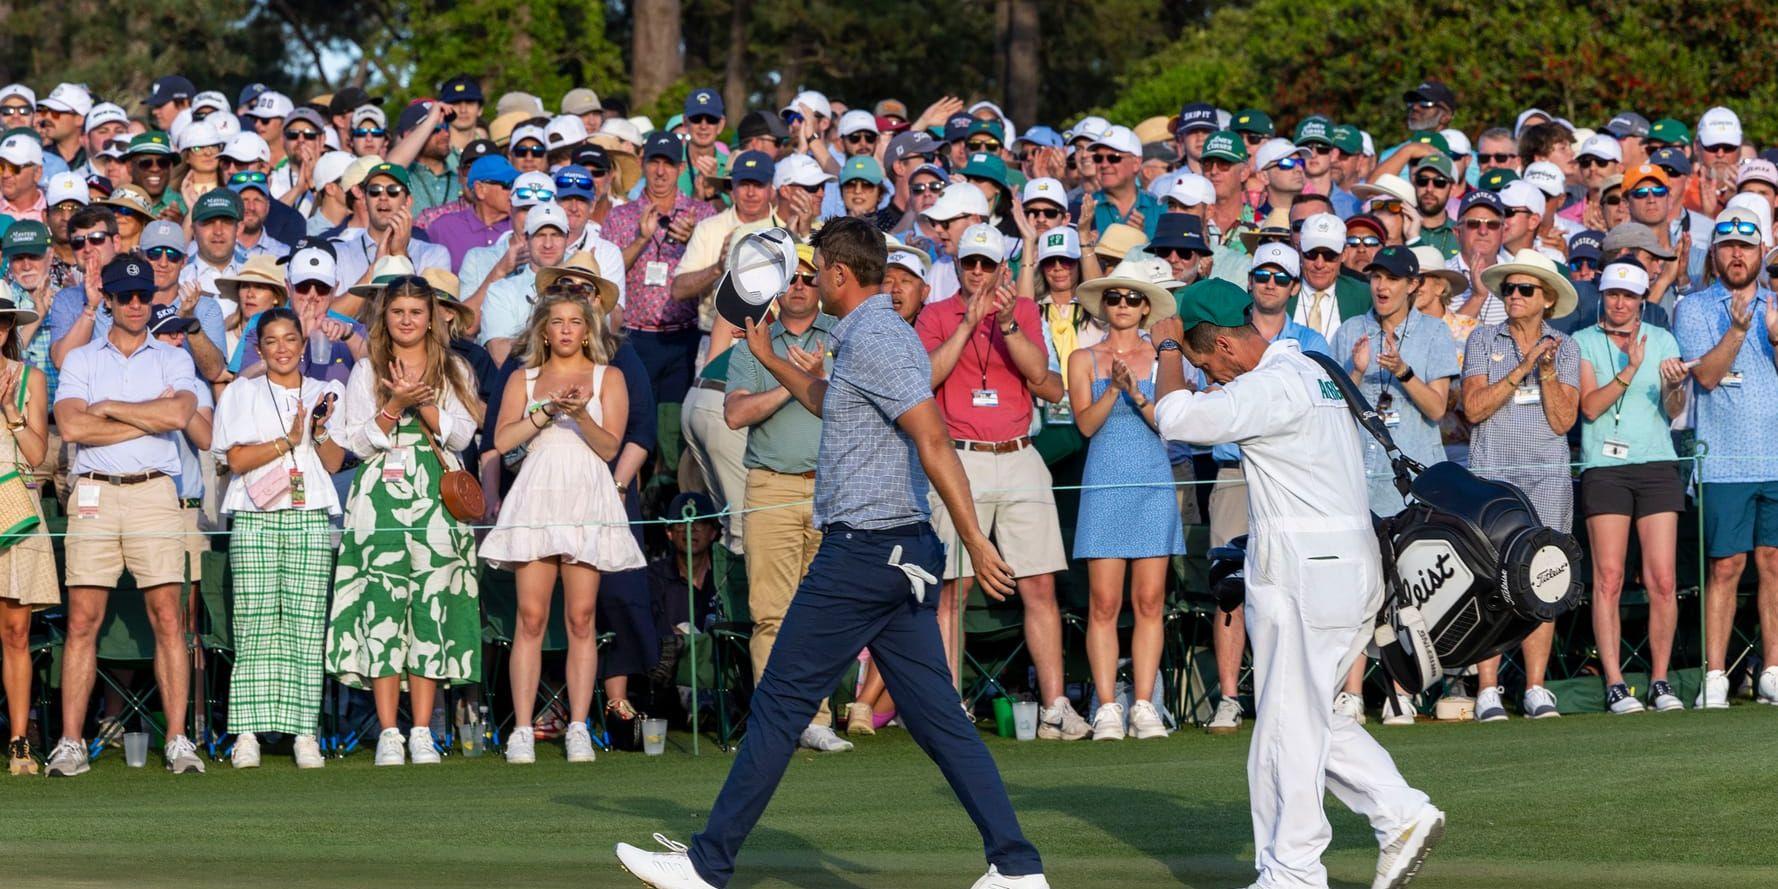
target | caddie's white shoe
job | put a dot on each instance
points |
(994, 879)
(1406, 851)
(1351, 705)
(663, 870)
(246, 752)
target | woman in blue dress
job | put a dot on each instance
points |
(1129, 519)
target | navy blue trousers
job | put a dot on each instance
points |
(669, 358)
(852, 597)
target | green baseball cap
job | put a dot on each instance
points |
(1215, 301)
(1316, 130)
(1225, 145)
(393, 171)
(26, 237)
(1345, 137)
(983, 165)
(1496, 179)
(864, 167)
(1440, 162)
(1669, 132)
(1251, 120)
(1431, 137)
(219, 203)
(987, 127)
(151, 142)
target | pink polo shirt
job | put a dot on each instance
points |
(985, 365)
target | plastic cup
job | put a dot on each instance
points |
(135, 749)
(1024, 717)
(654, 736)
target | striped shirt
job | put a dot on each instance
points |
(868, 475)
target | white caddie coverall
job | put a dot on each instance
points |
(1314, 583)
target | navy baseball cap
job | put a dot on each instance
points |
(126, 274)
(169, 89)
(593, 158)
(751, 166)
(461, 88)
(166, 319)
(1673, 161)
(250, 92)
(1588, 244)
(1196, 116)
(956, 127)
(412, 115)
(663, 144)
(704, 101)
(574, 181)
(1396, 260)
(1482, 198)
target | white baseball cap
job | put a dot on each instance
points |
(1718, 126)
(1323, 231)
(21, 149)
(211, 99)
(1548, 177)
(1369, 146)
(1119, 139)
(199, 135)
(247, 148)
(1062, 241)
(955, 202)
(857, 120)
(1757, 169)
(1601, 146)
(20, 91)
(271, 104)
(529, 131)
(1520, 194)
(532, 183)
(229, 126)
(330, 166)
(1192, 190)
(912, 260)
(1458, 142)
(1279, 255)
(69, 97)
(67, 187)
(1623, 276)
(619, 127)
(370, 113)
(1043, 188)
(1089, 128)
(799, 169)
(311, 264)
(814, 101)
(564, 131)
(982, 239)
(102, 114)
(1275, 150)
(1748, 202)
(548, 213)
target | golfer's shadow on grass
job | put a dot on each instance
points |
(822, 871)
(1204, 844)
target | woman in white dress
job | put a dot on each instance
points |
(563, 517)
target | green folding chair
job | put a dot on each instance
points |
(126, 640)
(216, 638)
(500, 610)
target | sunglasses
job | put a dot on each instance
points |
(1175, 252)
(1476, 225)
(1264, 276)
(809, 189)
(1583, 265)
(1590, 161)
(1058, 262)
(1104, 159)
(1423, 105)
(10, 169)
(1502, 158)
(981, 144)
(303, 135)
(573, 180)
(145, 297)
(927, 188)
(163, 254)
(704, 119)
(393, 190)
(320, 287)
(533, 193)
(1044, 212)
(1365, 241)
(1432, 182)
(88, 240)
(1387, 206)
(1736, 227)
(1648, 191)
(863, 137)
(15, 111)
(1721, 149)
(1253, 138)
(805, 280)
(152, 163)
(536, 151)
(979, 263)
(1124, 298)
(1322, 254)
(1525, 290)
(361, 132)
(570, 287)
(1288, 163)
(1320, 149)
(247, 177)
(1612, 200)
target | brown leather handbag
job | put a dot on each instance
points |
(458, 488)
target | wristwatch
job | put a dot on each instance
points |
(1169, 344)
(1010, 329)
(1407, 373)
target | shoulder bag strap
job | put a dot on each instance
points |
(1368, 420)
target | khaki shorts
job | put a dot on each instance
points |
(1228, 506)
(1015, 505)
(137, 527)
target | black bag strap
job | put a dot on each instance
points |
(1369, 420)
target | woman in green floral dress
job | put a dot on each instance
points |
(405, 598)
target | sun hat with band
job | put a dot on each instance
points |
(446, 286)
(1432, 265)
(580, 268)
(1387, 187)
(262, 270)
(387, 269)
(1531, 262)
(17, 315)
(1136, 275)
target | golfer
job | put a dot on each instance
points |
(873, 581)
(1313, 585)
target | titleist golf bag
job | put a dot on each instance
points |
(1468, 570)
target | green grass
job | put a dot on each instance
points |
(1585, 801)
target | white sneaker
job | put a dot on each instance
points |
(182, 756)
(391, 749)
(1059, 722)
(1108, 722)
(1406, 851)
(1768, 686)
(1401, 712)
(67, 759)
(421, 749)
(521, 746)
(246, 753)
(1349, 704)
(308, 753)
(1227, 720)
(824, 739)
(1715, 693)
(1539, 703)
(662, 870)
(578, 743)
(994, 879)
(1489, 706)
(1146, 722)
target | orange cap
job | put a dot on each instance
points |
(1642, 173)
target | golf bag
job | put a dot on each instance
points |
(1468, 570)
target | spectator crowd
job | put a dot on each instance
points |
(305, 332)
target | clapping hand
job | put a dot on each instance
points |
(1122, 379)
(1361, 354)
(1636, 348)
(295, 433)
(1741, 310)
(324, 412)
(406, 387)
(1673, 371)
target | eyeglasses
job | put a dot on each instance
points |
(982, 144)
(1736, 227)
(1124, 298)
(393, 190)
(361, 132)
(152, 162)
(1387, 206)
(1590, 161)
(162, 254)
(247, 177)
(926, 188)
(1365, 241)
(1501, 158)
(1525, 290)
(1288, 163)
(1583, 265)
(1264, 276)
(979, 263)
(1175, 252)
(1432, 182)
(533, 193)
(92, 239)
(863, 137)
(1045, 212)
(303, 135)
(573, 180)
(704, 119)
(1476, 225)
(1648, 191)
(145, 297)
(320, 287)
(535, 151)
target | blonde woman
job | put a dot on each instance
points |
(28, 567)
(563, 517)
(405, 596)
